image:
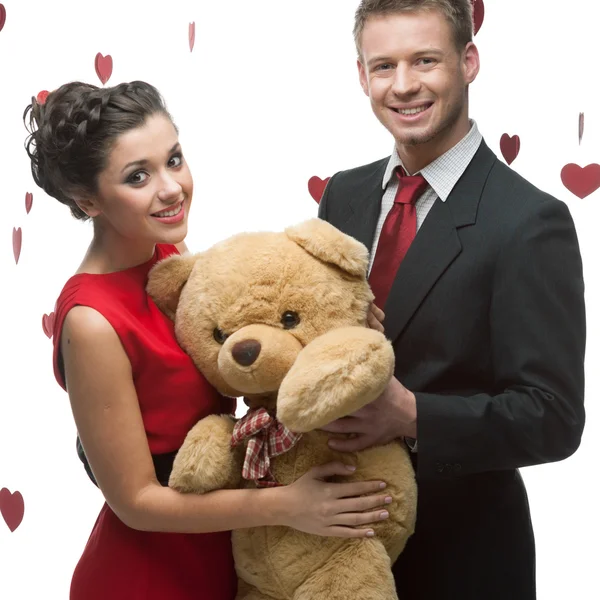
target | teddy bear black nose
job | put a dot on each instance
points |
(245, 353)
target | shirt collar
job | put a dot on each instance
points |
(443, 173)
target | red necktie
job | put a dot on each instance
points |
(397, 234)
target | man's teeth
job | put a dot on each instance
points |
(412, 111)
(169, 213)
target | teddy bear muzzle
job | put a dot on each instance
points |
(256, 358)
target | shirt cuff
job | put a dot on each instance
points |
(411, 443)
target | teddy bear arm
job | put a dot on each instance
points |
(206, 461)
(333, 376)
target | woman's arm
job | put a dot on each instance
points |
(109, 423)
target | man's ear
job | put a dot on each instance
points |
(166, 280)
(363, 76)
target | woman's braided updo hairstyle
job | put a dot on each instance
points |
(72, 134)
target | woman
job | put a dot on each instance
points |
(112, 155)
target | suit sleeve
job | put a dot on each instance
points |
(537, 325)
(323, 203)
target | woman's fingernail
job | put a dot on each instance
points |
(370, 533)
(388, 500)
(382, 485)
(351, 468)
(384, 514)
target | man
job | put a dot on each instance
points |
(485, 307)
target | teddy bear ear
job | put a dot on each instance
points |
(166, 280)
(329, 244)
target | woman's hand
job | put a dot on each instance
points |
(316, 506)
(375, 318)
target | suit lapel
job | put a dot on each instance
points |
(364, 207)
(435, 247)
(437, 244)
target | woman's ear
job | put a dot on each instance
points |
(89, 205)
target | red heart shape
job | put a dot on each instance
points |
(581, 126)
(42, 97)
(12, 508)
(2, 16)
(104, 67)
(192, 35)
(478, 15)
(510, 147)
(17, 242)
(581, 181)
(48, 324)
(28, 201)
(316, 187)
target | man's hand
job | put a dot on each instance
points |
(392, 415)
(375, 318)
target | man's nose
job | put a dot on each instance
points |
(406, 82)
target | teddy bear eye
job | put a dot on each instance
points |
(290, 319)
(219, 336)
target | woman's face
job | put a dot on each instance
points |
(145, 191)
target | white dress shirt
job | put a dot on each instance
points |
(441, 176)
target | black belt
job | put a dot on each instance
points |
(163, 465)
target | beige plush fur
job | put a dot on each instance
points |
(236, 298)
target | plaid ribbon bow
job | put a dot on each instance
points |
(267, 437)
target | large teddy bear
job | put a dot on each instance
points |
(280, 319)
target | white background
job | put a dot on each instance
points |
(268, 98)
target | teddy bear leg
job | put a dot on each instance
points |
(206, 461)
(361, 569)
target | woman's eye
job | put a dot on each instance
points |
(137, 177)
(176, 160)
(290, 319)
(220, 336)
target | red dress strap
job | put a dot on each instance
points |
(78, 292)
(172, 393)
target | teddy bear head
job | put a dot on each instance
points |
(245, 308)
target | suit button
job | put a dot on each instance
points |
(439, 467)
(457, 467)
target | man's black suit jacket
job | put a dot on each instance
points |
(487, 318)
